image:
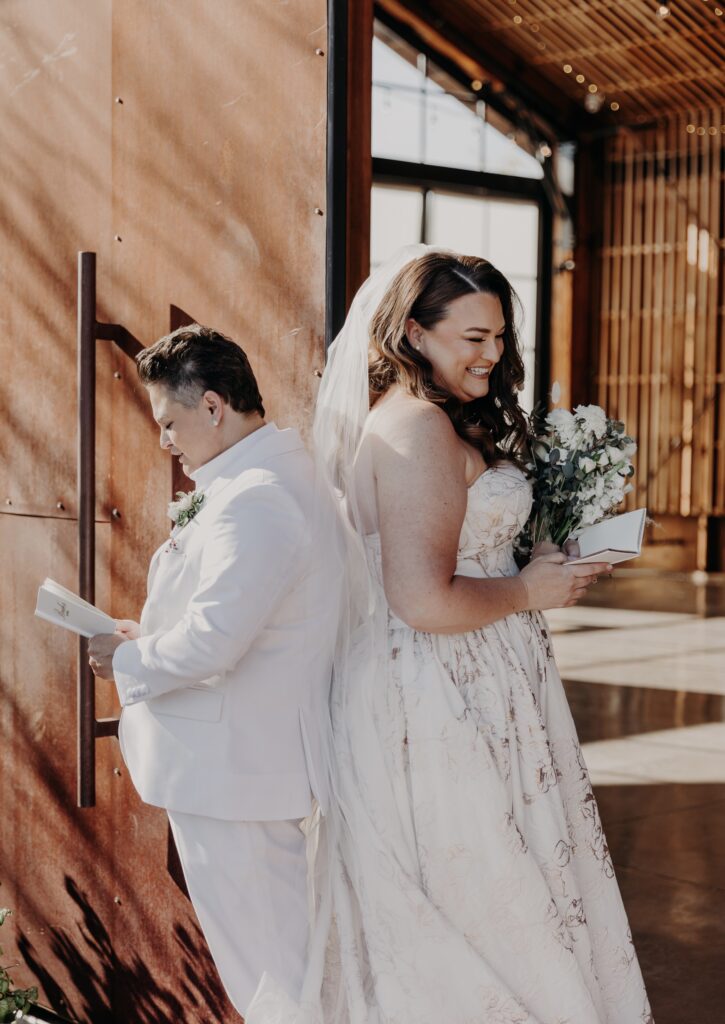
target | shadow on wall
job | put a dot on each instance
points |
(97, 970)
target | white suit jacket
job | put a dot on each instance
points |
(225, 693)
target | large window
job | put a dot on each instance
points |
(487, 204)
(420, 114)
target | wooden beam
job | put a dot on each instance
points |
(588, 229)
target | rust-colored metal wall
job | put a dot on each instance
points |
(183, 142)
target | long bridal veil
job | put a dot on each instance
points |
(365, 828)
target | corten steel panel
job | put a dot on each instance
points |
(54, 168)
(75, 879)
(198, 191)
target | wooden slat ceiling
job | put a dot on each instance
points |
(621, 51)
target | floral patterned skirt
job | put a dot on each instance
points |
(483, 757)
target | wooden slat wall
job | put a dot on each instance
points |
(659, 352)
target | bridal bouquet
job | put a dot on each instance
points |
(580, 465)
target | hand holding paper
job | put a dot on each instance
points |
(613, 540)
(62, 607)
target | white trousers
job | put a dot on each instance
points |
(248, 884)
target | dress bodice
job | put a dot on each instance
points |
(499, 503)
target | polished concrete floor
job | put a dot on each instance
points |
(644, 669)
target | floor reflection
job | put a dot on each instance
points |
(645, 676)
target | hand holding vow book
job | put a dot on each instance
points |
(613, 540)
(64, 608)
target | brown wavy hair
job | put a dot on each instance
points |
(423, 290)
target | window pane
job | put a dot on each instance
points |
(457, 222)
(453, 133)
(395, 220)
(505, 232)
(397, 128)
(526, 290)
(389, 68)
(514, 237)
(503, 156)
(397, 106)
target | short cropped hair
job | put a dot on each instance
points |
(195, 359)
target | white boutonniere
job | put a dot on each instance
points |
(187, 505)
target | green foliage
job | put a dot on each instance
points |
(579, 463)
(13, 1000)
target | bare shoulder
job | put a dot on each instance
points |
(409, 425)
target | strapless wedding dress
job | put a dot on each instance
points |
(472, 879)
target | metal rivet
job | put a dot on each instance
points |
(317, 373)
(319, 212)
(117, 900)
(115, 513)
(117, 375)
(8, 501)
(118, 238)
(116, 771)
(319, 52)
(60, 505)
(119, 99)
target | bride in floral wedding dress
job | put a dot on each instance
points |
(461, 871)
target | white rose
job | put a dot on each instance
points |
(602, 459)
(587, 464)
(619, 455)
(594, 418)
(590, 515)
(563, 423)
(629, 449)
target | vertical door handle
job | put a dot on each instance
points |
(90, 331)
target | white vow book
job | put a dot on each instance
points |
(613, 540)
(64, 608)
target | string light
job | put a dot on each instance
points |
(567, 69)
(593, 88)
(614, 106)
(517, 19)
(663, 11)
(580, 79)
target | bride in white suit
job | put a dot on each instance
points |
(463, 874)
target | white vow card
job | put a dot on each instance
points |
(613, 540)
(62, 607)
